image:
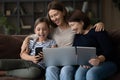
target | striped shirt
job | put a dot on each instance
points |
(46, 44)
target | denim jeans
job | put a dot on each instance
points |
(99, 72)
(57, 73)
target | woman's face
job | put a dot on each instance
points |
(56, 16)
(42, 30)
(77, 27)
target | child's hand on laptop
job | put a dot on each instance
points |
(94, 61)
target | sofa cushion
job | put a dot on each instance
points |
(115, 37)
(9, 46)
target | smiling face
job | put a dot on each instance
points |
(42, 30)
(56, 16)
(77, 27)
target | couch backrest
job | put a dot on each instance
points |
(10, 46)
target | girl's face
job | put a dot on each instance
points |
(77, 27)
(42, 30)
(56, 16)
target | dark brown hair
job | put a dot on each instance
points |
(56, 6)
(41, 19)
(78, 16)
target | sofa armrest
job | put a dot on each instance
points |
(10, 46)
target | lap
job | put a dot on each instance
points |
(106, 68)
(9, 64)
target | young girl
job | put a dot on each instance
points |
(31, 65)
(100, 67)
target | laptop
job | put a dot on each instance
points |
(60, 56)
(68, 55)
(84, 54)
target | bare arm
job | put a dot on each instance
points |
(25, 44)
(24, 54)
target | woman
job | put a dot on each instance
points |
(100, 67)
(63, 35)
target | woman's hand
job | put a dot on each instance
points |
(99, 26)
(25, 45)
(94, 61)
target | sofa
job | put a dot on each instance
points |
(10, 48)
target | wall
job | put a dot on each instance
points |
(110, 14)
